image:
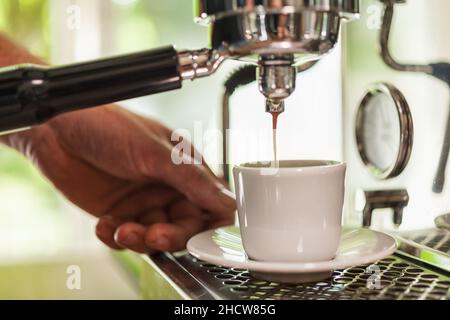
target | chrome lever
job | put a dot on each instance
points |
(384, 42)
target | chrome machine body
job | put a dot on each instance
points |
(277, 35)
(385, 187)
(396, 100)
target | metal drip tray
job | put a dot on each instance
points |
(437, 239)
(419, 270)
(399, 278)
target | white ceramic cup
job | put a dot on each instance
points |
(292, 213)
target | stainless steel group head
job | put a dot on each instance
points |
(279, 35)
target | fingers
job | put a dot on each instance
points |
(166, 237)
(153, 216)
(186, 215)
(198, 184)
(145, 205)
(131, 236)
(105, 230)
(159, 229)
(136, 202)
(173, 162)
(172, 137)
(212, 222)
(186, 221)
(118, 236)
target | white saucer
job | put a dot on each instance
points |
(223, 247)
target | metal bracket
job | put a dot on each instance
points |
(395, 199)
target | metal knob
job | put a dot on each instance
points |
(379, 199)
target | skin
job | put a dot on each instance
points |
(117, 166)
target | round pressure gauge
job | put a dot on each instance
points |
(384, 131)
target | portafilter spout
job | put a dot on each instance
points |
(276, 79)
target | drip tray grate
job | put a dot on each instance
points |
(437, 239)
(390, 278)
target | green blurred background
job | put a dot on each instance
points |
(41, 234)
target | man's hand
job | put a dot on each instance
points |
(117, 166)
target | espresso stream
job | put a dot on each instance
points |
(274, 137)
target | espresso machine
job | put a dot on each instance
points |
(278, 36)
(276, 40)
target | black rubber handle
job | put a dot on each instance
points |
(30, 95)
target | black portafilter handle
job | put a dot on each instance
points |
(30, 95)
